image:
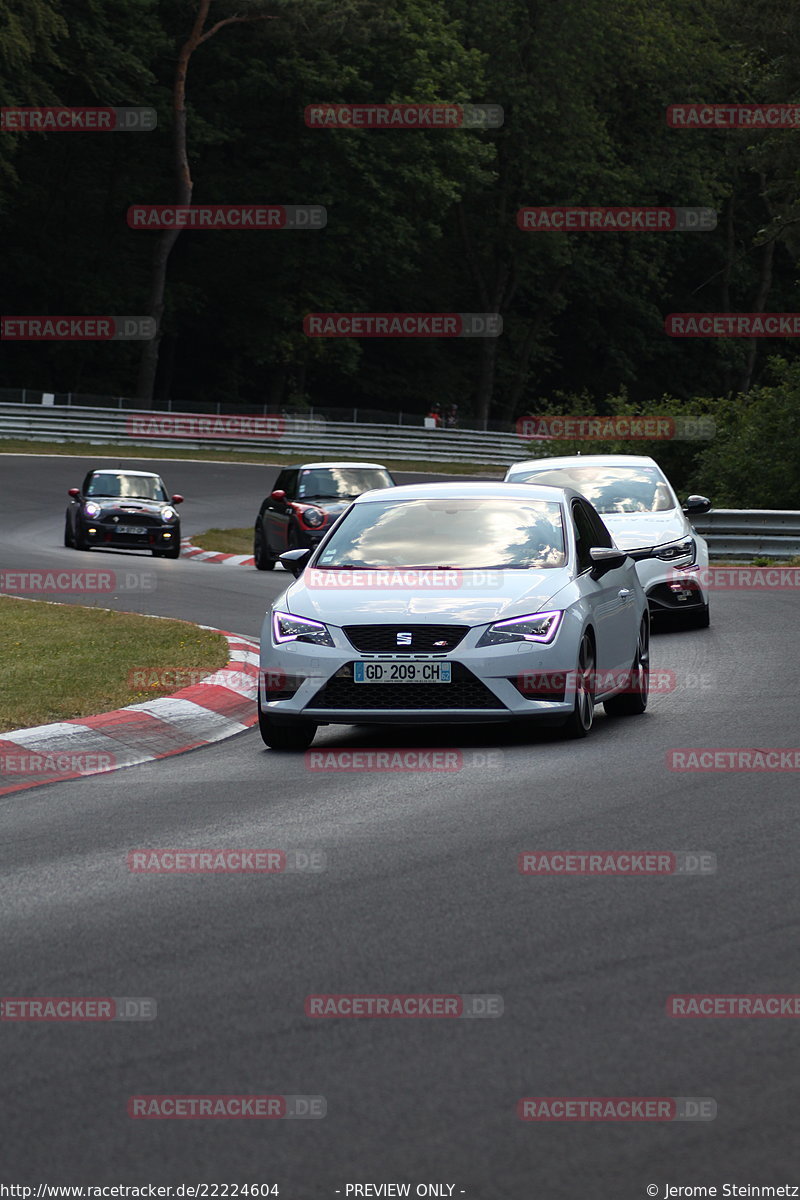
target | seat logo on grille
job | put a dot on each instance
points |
(404, 639)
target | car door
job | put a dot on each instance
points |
(612, 597)
(276, 513)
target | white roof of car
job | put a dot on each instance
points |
(488, 490)
(587, 460)
(314, 466)
(123, 471)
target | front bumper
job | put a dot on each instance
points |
(101, 533)
(497, 683)
(673, 589)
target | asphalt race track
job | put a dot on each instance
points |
(421, 895)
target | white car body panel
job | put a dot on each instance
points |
(613, 606)
(632, 531)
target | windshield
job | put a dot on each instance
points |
(129, 487)
(610, 489)
(459, 532)
(340, 483)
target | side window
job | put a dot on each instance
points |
(600, 535)
(280, 482)
(289, 484)
(86, 482)
(584, 535)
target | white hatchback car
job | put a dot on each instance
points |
(637, 503)
(455, 602)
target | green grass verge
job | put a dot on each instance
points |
(225, 541)
(86, 449)
(60, 661)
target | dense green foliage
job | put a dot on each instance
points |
(417, 221)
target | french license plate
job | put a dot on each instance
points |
(135, 529)
(401, 672)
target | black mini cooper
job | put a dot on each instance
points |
(127, 510)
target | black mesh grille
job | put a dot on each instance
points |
(129, 519)
(465, 691)
(423, 637)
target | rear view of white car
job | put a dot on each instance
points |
(639, 507)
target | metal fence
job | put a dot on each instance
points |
(749, 533)
(262, 434)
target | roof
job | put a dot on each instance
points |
(123, 471)
(315, 465)
(488, 490)
(587, 460)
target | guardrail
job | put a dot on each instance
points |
(748, 533)
(731, 533)
(282, 435)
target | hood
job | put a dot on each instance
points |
(463, 597)
(632, 531)
(127, 507)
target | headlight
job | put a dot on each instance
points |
(540, 627)
(168, 514)
(313, 517)
(286, 628)
(685, 548)
(91, 509)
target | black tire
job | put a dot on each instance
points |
(261, 556)
(69, 540)
(285, 735)
(632, 703)
(168, 551)
(79, 541)
(699, 618)
(579, 722)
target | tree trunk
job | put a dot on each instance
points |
(185, 186)
(762, 293)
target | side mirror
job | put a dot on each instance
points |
(74, 492)
(177, 498)
(696, 505)
(294, 560)
(605, 558)
(278, 494)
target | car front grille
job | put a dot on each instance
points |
(435, 639)
(464, 691)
